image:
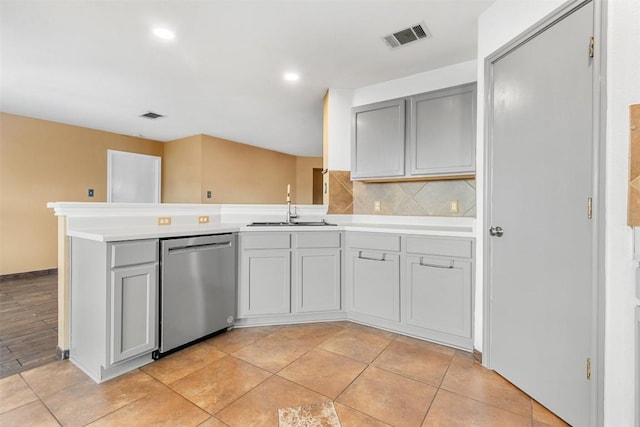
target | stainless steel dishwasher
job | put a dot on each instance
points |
(197, 289)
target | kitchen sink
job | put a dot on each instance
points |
(291, 224)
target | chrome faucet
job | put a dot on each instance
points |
(291, 216)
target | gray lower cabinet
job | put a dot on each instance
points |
(265, 274)
(373, 273)
(411, 284)
(439, 294)
(376, 284)
(114, 300)
(439, 288)
(265, 282)
(287, 274)
(134, 293)
(318, 270)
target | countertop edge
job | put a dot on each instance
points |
(161, 232)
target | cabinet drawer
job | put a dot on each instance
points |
(266, 241)
(380, 242)
(134, 252)
(439, 246)
(322, 239)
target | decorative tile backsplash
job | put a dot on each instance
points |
(416, 198)
(633, 209)
(340, 192)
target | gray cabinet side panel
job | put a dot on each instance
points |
(89, 315)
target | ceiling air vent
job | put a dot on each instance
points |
(151, 116)
(408, 35)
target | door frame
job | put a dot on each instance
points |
(598, 186)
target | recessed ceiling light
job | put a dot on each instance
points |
(164, 33)
(292, 77)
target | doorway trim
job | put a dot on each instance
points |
(598, 185)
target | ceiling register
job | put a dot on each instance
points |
(408, 35)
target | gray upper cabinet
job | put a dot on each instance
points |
(442, 132)
(378, 140)
(426, 135)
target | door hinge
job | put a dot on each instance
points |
(589, 208)
(589, 368)
(592, 46)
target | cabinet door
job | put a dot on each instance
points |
(134, 302)
(442, 132)
(318, 279)
(375, 284)
(439, 294)
(378, 140)
(265, 282)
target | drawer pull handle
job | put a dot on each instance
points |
(371, 259)
(196, 248)
(450, 266)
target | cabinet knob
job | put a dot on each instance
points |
(496, 231)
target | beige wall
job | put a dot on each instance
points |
(233, 172)
(240, 173)
(182, 170)
(304, 178)
(43, 161)
(40, 162)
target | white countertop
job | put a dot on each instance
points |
(117, 222)
(152, 232)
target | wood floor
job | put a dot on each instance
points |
(28, 322)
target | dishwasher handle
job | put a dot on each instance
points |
(197, 248)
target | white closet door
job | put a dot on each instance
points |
(133, 178)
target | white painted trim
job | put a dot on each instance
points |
(73, 209)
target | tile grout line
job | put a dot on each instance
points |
(484, 403)
(42, 402)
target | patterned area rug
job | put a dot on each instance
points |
(313, 415)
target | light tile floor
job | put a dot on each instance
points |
(241, 378)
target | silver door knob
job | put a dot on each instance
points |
(496, 231)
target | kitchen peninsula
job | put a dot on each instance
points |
(410, 275)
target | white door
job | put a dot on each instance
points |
(540, 179)
(132, 177)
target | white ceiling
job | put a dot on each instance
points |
(96, 63)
